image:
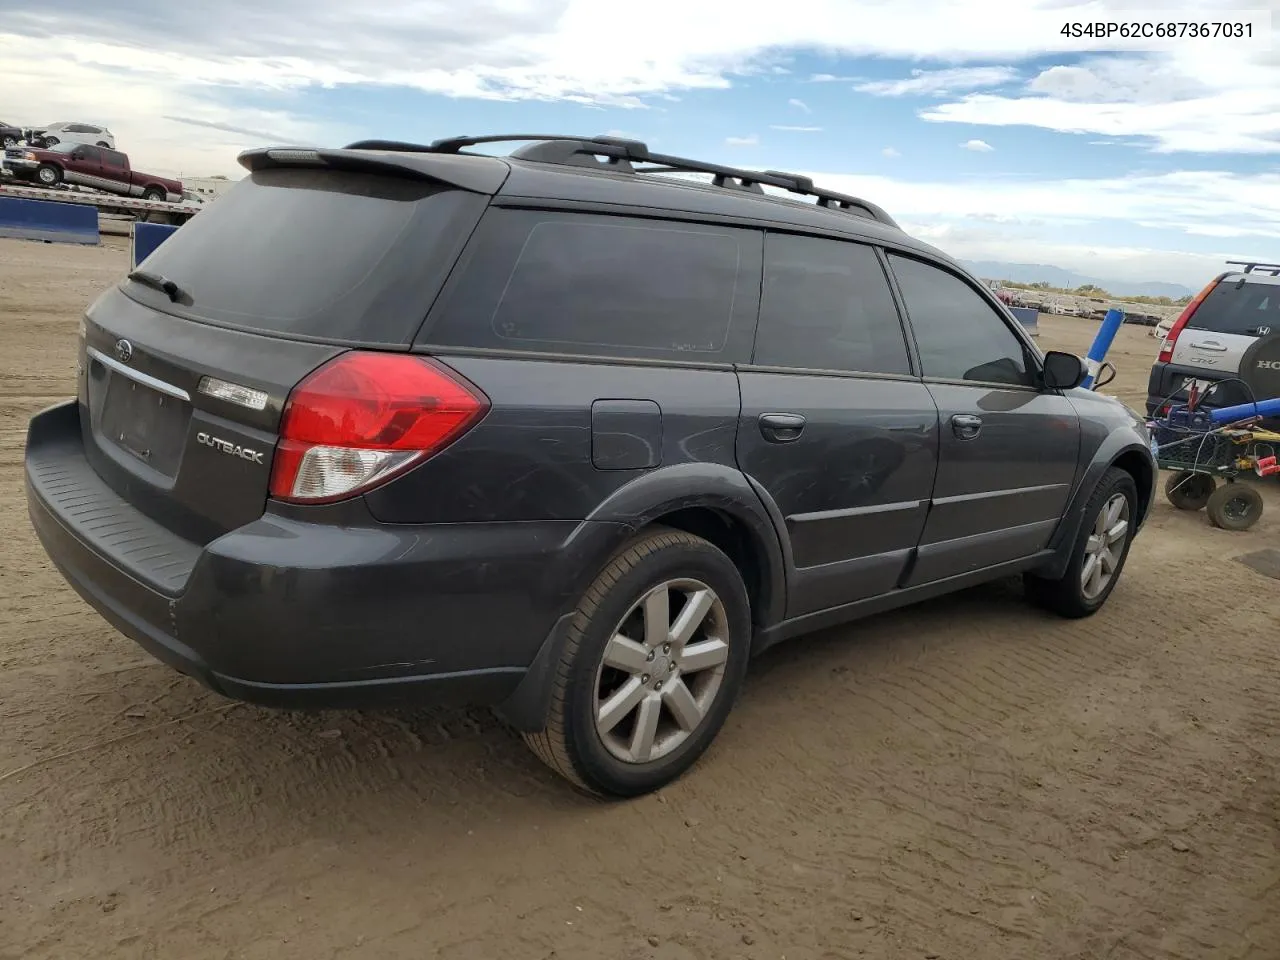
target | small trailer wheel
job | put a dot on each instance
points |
(1188, 490)
(1234, 506)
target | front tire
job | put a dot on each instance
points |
(1099, 553)
(655, 656)
(48, 175)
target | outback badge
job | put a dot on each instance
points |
(229, 448)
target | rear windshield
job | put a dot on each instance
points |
(340, 256)
(1251, 309)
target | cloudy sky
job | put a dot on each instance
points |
(979, 127)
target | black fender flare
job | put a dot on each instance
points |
(712, 486)
(616, 521)
(1118, 444)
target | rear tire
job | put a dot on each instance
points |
(153, 193)
(1098, 555)
(1234, 506)
(1188, 490)
(636, 700)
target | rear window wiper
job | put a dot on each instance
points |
(156, 282)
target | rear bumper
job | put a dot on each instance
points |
(1166, 384)
(1167, 381)
(294, 609)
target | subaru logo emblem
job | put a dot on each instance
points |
(124, 351)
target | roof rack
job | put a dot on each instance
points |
(1271, 268)
(623, 155)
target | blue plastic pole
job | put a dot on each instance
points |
(1102, 343)
(1241, 411)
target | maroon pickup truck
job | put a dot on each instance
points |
(88, 166)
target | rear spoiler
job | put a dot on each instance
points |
(477, 174)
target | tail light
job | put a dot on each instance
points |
(1171, 338)
(363, 418)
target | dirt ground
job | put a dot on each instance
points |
(968, 779)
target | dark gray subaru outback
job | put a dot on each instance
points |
(564, 432)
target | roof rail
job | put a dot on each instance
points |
(622, 155)
(1271, 268)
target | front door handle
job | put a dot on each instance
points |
(966, 426)
(781, 427)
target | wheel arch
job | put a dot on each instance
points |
(1138, 464)
(1118, 450)
(712, 501)
(719, 504)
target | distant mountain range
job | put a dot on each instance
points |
(1058, 277)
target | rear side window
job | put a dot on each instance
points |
(112, 158)
(603, 286)
(827, 306)
(339, 256)
(1238, 308)
(959, 334)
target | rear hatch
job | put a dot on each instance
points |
(188, 365)
(1234, 314)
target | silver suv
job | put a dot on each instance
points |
(1206, 348)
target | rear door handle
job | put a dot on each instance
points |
(1214, 345)
(781, 427)
(966, 426)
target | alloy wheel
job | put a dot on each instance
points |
(661, 670)
(1105, 546)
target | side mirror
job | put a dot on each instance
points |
(1062, 371)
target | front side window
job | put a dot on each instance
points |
(960, 336)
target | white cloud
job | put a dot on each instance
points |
(978, 146)
(799, 105)
(1024, 221)
(172, 81)
(926, 82)
(123, 60)
(1191, 99)
(793, 129)
(166, 127)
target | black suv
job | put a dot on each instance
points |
(564, 432)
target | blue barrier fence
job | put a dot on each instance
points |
(48, 220)
(1028, 317)
(146, 237)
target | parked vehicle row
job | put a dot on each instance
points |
(12, 135)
